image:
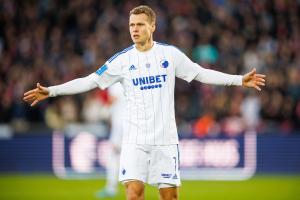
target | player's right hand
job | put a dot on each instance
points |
(36, 95)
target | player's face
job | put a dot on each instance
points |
(141, 30)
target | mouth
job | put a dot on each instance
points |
(136, 36)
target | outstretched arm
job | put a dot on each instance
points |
(251, 79)
(188, 70)
(72, 87)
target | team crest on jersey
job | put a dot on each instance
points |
(164, 63)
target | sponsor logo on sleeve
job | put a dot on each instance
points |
(102, 69)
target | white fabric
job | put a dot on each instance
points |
(165, 185)
(116, 92)
(117, 117)
(152, 164)
(74, 87)
(149, 91)
(218, 78)
(159, 185)
(112, 170)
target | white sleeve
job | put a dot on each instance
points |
(218, 78)
(116, 90)
(75, 86)
(105, 76)
(109, 73)
(188, 70)
(184, 67)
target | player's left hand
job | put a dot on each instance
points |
(254, 80)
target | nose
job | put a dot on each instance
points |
(135, 29)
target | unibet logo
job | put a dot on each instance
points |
(150, 82)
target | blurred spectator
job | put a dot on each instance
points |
(206, 125)
(250, 109)
(95, 109)
(56, 41)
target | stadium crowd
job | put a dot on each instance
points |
(55, 41)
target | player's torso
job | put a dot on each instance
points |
(148, 79)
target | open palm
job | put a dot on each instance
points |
(254, 80)
(36, 95)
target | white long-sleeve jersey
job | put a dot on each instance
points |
(148, 79)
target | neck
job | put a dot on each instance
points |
(145, 46)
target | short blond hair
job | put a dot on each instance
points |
(144, 10)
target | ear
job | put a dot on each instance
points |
(153, 27)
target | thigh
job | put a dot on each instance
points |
(164, 165)
(134, 163)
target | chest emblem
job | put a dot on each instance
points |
(164, 63)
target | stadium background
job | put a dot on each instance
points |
(56, 41)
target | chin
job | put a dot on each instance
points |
(137, 42)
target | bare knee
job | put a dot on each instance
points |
(170, 193)
(134, 190)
